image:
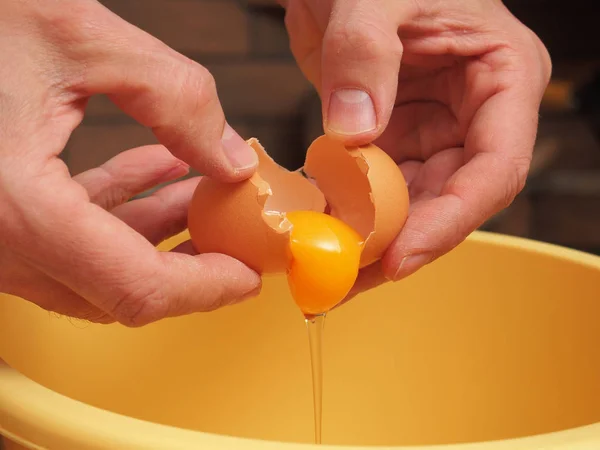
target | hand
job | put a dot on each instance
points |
(450, 89)
(73, 245)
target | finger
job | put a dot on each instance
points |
(498, 150)
(165, 91)
(410, 170)
(360, 66)
(36, 287)
(419, 130)
(58, 299)
(162, 214)
(372, 276)
(368, 278)
(433, 175)
(305, 24)
(112, 266)
(200, 284)
(130, 173)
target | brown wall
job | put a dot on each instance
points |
(244, 44)
(245, 47)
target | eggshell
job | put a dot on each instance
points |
(364, 187)
(246, 220)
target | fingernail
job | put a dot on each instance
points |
(411, 264)
(351, 112)
(238, 152)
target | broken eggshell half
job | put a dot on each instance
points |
(362, 186)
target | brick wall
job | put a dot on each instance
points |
(244, 45)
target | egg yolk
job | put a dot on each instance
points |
(324, 260)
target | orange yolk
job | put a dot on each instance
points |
(324, 260)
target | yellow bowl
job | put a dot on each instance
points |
(494, 347)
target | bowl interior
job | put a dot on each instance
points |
(492, 341)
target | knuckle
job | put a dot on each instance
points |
(74, 28)
(541, 72)
(364, 41)
(68, 24)
(518, 171)
(196, 90)
(521, 169)
(112, 194)
(141, 304)
(536, 57)
(546, 61)
(192, 94)
(199, 79)
(539, 50)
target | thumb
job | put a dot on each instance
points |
(171, 94)
(360, 66)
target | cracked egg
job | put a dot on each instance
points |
(318, 226)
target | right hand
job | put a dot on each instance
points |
(451, 90)
(72, 244)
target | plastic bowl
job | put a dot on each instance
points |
(495, 346)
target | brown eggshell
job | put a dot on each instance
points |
(246, 220)
(364, 188)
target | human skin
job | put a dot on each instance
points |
(451, 89)
(73, 245)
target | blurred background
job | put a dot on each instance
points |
(244, 44)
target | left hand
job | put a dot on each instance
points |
(451, 90)
(75, 245)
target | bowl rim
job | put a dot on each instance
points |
(575, 256)
(30, 411)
